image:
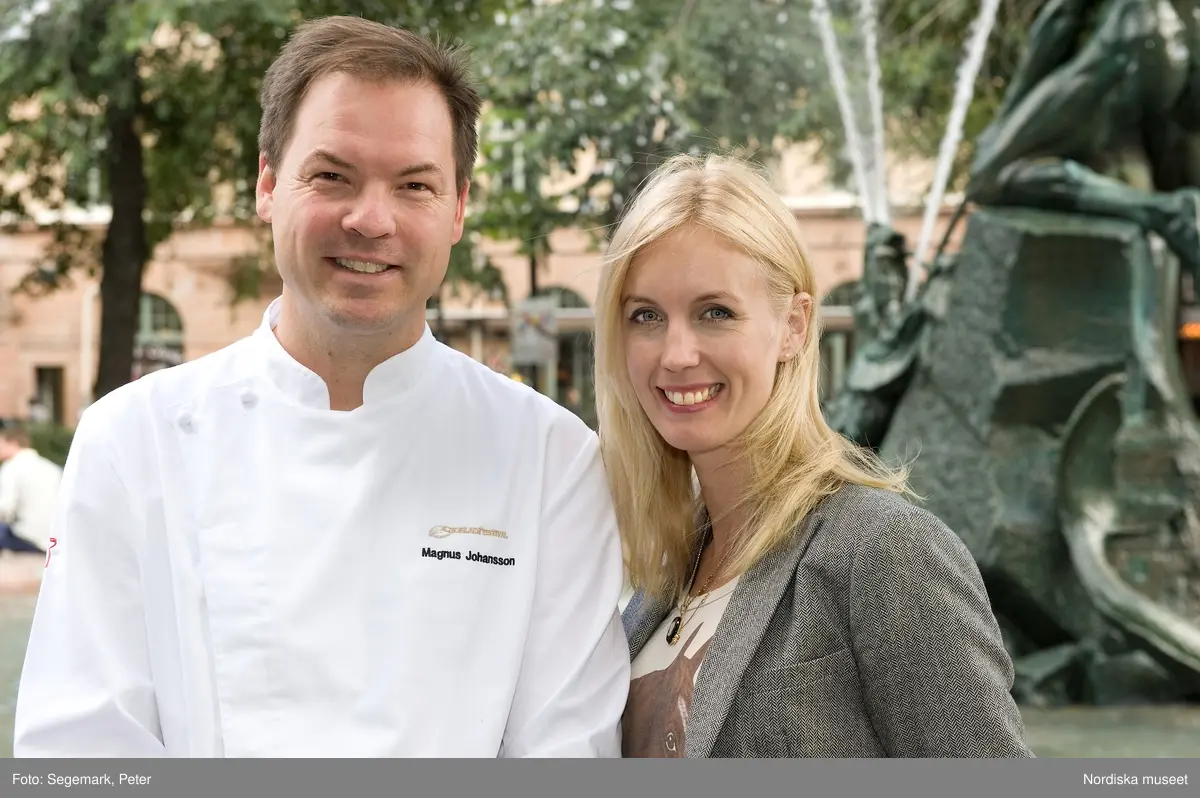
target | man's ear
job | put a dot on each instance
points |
(460, 212)
(264, 190)
(799, 321)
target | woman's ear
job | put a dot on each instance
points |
(798, 320)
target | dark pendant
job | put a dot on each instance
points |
(673, 630)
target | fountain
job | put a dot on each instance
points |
(855, 143)
(1036, 374)
(964, 92)
(881, 212)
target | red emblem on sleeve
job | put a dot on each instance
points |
(53, 543)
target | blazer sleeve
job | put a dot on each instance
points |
(936, 676)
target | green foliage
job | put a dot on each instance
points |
(471, 270)
(626, 82)
(189, 72)
(921, 46)
(51, 441)
(612, 85)
(198, 107)
(632, 81)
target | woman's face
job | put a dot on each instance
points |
(702, 338)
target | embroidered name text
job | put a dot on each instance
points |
(472, 556)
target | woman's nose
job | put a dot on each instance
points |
(680, 350)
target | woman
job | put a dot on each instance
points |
(790, 602)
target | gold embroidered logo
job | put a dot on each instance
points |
(447, 531)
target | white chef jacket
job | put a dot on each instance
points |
(28, 495)
(241, 571)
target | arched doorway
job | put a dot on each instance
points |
(573, 385)
(158, 343)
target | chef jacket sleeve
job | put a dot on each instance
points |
(86, 688)
(575, 673)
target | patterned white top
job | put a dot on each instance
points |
(664, 676)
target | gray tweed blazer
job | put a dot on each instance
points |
(870, 634)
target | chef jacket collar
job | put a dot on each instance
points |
(390, 379)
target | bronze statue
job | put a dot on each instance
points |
(889, 334)
(1055, 427)
(881, 289)
(1103, 118)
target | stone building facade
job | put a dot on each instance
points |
(49, 343)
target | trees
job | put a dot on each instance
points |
(608, 86)
(921, 47)
(603, 88)
(121, 106)
(148, 107)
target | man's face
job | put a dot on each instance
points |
(364, 208)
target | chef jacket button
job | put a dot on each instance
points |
(249, 398)
(186, 423)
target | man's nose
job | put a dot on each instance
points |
(372, 215)
(680, 350)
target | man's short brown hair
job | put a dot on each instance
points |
(372, 51)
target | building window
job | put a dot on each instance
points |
(46, 406)
(159, 340)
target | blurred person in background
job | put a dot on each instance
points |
(789, 600)
(337, 537)
(29, 486)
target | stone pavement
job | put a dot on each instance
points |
(21, 573)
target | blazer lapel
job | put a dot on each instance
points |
(737, 637)
(641, 617)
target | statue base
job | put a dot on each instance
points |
(1041, 308)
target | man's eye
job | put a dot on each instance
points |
(330, 176)
(416, 186)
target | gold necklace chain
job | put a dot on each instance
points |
(676, 628)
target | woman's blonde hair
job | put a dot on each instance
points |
(794, 459)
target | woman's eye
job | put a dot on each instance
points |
(718, 314)
(643, 316)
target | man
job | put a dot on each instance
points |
(336, 537)
(28, 492)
